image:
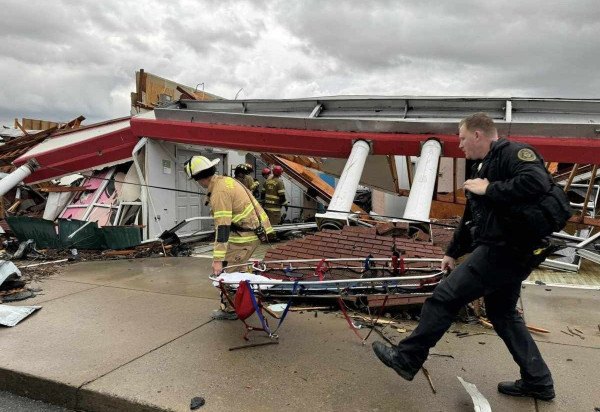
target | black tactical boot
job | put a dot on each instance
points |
(519, 388)
(388, 356)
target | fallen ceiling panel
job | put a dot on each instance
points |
(306, 178)
(379, 172)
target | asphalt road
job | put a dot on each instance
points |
(14, 403)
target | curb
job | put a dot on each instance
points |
(68, 396)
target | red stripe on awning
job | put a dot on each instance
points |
(87, 154)
(338, 144)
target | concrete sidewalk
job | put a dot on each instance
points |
(136, 335)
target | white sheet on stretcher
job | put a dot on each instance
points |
(239, 276)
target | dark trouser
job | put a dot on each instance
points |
(496, 274)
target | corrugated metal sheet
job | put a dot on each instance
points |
(44, 233)
(41, 230)
(122, 237)
(90, 237)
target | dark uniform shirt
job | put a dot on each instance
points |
(517, 176)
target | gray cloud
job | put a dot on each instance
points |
(539, 47)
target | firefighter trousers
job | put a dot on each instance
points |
(496, 274)
(237, 253)
(274, 216)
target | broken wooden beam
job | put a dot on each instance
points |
(119, 252)
(299, 309)
(186, 94)
(61, 189)
(537, 329)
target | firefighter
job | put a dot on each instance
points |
(275, 196)
(242, 172)
(266, 173)
(237, 215)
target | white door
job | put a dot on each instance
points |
(190, 204)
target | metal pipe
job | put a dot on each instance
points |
(419, 201)
(78, 230)
(587, 241)
(555, 264)
(589, 255)
(333, 282)
(345, 191)
(343, 259)
(16, 177)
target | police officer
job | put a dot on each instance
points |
(506, 173)
(237, 217)
(275, 196)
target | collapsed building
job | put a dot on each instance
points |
(129, 186)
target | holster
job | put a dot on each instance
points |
(546, 248)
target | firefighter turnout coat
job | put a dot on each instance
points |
(236, 213)
(249, 182)
(274, 195)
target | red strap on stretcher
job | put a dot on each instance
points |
(350, 323)
(398, 265)
(322, 267)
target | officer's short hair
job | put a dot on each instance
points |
(479, 121)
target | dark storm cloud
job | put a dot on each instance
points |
(539, 46)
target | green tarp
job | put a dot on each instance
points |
(46, 235)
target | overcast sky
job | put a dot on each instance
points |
(60, 59)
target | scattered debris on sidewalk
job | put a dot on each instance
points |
(8, 271)
(197, 402)
(443, 355)
(480, 403)
(428, 376)
(467, 334)
(254, 345)
(12, 315)
(17, 295)
(574, 332)
(485, 322)
(12, 287)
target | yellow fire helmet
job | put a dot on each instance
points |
(198, 164)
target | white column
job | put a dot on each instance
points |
(418, 205)
(345, 190)
(144, 195)
(16, 177)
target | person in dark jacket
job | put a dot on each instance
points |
(505, 174)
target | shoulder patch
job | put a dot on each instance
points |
(526, 155)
